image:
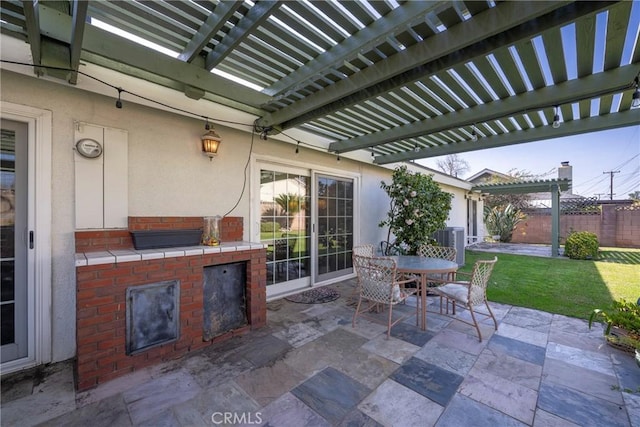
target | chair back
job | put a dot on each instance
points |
(363, 250)
(431, 251)
(377, 277)
(479, 280)
(359, 264)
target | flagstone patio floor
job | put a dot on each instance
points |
(310, 367)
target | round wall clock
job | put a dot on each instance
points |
(89, 148)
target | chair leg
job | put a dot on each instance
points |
(475, 322)
(355, 315)
(389, 323)
(495, 323)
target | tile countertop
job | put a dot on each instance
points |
(128, 255)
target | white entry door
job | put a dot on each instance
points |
(25, 246)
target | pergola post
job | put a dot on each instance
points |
(555, 219)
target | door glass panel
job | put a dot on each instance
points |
(285, 225)
(13, 250)
(335, 226)
(7, 233)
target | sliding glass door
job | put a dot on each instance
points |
(306, 219)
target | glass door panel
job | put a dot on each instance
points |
(285, 226)
(334, 238)
(13, 247)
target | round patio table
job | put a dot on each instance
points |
(413, 264)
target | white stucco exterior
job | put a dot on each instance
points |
(169, 176)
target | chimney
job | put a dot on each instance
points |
(566, 172)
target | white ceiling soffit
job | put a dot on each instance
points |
(402, 80)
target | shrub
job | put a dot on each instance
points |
(269, 227)
(502, 221)
(418, 208)
(581, 245)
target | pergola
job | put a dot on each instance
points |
(389, 80)
(554, 186)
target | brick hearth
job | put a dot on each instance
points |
(103, 278)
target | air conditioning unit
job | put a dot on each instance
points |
(452, 237)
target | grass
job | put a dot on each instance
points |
(562, 285)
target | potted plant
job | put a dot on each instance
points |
(622, 321)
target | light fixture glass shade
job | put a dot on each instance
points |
(556, 121)
(210, 143)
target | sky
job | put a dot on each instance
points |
(590, 155)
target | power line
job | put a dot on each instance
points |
(633, 186)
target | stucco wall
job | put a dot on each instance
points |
(168, 176)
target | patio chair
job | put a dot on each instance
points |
(379, 286)
(361, 251)
(469, 293)
(432, 251)
(444, 252)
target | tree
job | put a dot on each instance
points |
(453, 165)
(635, 196)
(418, 208)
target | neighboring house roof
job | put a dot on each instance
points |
(486, 174)
(443, 178)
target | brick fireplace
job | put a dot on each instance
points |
(104, 276)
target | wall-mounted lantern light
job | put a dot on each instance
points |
(210, 142)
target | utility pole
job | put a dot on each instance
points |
(611, 185)
(599, 194)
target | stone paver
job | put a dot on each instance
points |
(538, 370)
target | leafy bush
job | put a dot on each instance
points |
(502, 221)
(581, 245)
(269, 227)
(418, 208)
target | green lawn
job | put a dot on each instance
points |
(562, 285)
